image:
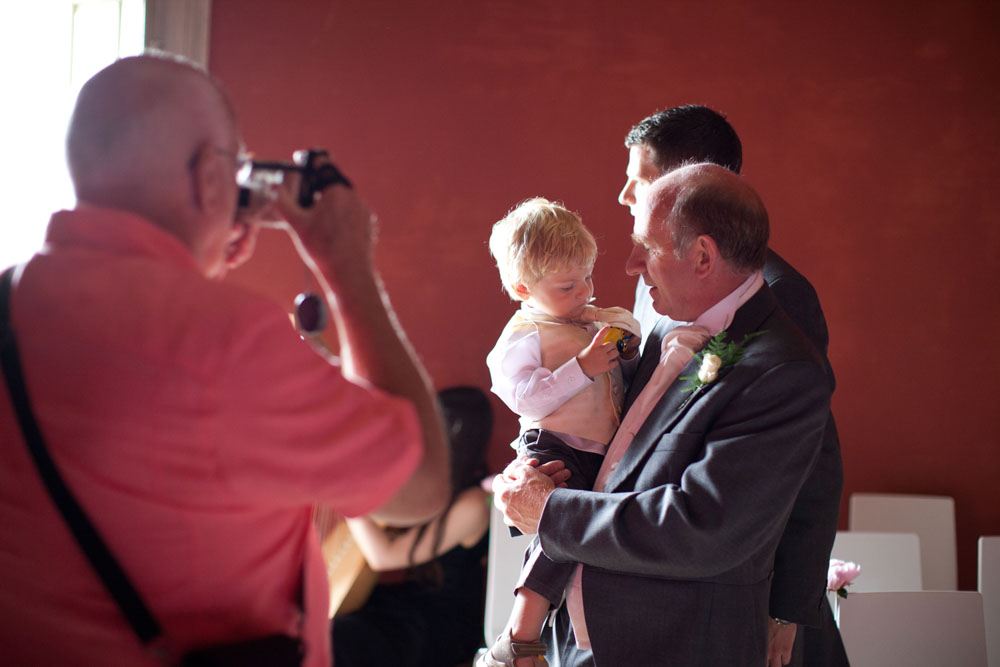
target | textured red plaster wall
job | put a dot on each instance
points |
(870, 129)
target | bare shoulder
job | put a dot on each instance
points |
(470, 515)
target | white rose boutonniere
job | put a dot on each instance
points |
(717, 355)
(710, 365)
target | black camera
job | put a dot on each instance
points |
(258, 178)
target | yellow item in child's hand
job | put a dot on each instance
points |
(614, 335)
(617, 336)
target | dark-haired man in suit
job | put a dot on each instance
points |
(658, 144)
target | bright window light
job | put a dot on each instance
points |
(48, 49)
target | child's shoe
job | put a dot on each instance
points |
(505, 651)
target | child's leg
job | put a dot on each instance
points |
(528, 615)
(519, 644)
(546, 446)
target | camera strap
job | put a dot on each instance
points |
(271, 650)
(96, 550)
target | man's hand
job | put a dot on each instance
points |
(631, 347)
(336, 235)
(598, 357)
(780, 639)
(521, 490)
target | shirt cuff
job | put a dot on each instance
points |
(571, 377)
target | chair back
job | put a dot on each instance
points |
(889, 561)
(506, 554)
(913, 629)
(932, 518)
(989, 588)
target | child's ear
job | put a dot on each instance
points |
(522, 291)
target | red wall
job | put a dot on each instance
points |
(870, 130)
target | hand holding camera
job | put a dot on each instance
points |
(330, 225)
(333, 230)
(259, 179)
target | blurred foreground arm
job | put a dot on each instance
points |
(465, 524)
(335, 239)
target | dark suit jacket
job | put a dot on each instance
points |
(802, 559)
(678, 551)
(803, 556)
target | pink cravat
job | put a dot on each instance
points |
(676, 351)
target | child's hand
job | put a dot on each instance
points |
(598, 357)
(631, 347)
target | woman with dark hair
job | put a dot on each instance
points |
(435, 617)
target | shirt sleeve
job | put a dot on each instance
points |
(290, 427)
(523, 384)
(615, 316)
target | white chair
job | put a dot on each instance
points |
(932, 518)
(989, 588)
(506, 554)
(889, 561)
(913, 629)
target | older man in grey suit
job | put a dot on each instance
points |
(676, 545)
(799, 612)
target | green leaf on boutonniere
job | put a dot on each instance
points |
(716, 355)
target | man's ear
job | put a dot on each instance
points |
(705, 255)
(211, 180)
(522, 291)
(242, 241)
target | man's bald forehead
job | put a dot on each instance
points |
(140, 115)
(156, 71)
(707, 199)
(666, 189)
(694, 174)
(130, 86)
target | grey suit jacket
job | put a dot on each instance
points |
(678, 551)
(802, 559)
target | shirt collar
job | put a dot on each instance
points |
(536, 313)
(117, 232)
(719, 316)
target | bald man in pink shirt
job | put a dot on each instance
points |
(192, 423)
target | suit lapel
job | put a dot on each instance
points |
(675, 402)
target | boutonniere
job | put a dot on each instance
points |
(718, 354)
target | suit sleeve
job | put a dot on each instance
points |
(737, 482)
(803, 555)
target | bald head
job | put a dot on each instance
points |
(706, 199)
(136, 128)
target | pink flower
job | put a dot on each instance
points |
(841, 574)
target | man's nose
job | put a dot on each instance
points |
(627, 196)
(633, 266)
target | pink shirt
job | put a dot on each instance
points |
(197, 430)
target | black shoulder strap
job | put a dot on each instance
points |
(97, 552)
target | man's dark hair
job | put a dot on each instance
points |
(689, 133)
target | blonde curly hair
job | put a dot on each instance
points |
(536, 237)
